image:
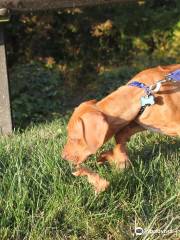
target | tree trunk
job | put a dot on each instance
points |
(5, 110)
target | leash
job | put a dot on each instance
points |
(149, 98)
(171, 77)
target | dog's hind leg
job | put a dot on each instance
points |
(118, 156)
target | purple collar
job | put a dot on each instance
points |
(141, 85)
(174, 76)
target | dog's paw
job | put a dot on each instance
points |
(121, 164)
(105, 157)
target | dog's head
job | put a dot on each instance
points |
(87, 129)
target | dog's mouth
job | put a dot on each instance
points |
(72, 159)
(76, 161)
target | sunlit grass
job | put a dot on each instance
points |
(41, 199)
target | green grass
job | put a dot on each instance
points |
(41, 199)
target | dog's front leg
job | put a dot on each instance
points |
(119, 156)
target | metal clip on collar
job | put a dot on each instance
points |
(156, 87)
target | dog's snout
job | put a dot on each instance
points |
(64, 155)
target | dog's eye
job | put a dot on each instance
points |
(76, 140)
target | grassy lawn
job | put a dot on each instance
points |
(40, 199)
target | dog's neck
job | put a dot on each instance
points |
(121, 106)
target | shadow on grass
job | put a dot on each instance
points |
(156, 159)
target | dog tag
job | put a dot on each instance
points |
(147, 100)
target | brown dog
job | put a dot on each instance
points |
(93, 123)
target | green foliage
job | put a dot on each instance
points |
(37, 92)
(42, 94)
(86, 39)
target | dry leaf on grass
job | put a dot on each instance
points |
(99, 184)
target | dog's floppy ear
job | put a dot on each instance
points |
(95, 128)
